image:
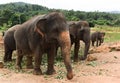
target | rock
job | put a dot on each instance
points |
(99, 49)
(91, 58)
(118, 49)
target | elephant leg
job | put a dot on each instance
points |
(56, 49)
(72, 43)
(6, 55)
(76, 49)
(97, 43)
(93, 43)
(29, 62)
(10, 55)
(86, 49)
(18, 60)
(37, 59)
(51, 55)
(100, 42)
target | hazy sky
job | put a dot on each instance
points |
(82, 5)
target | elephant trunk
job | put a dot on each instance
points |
(65, 45)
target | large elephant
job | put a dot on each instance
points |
(9, 42)
(41, 34)
(97, 37)
(79, 31)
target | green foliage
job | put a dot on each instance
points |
(19, 12)
(4, 27)
(92, 63)
(112, 37)
(91, 24)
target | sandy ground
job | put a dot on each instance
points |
(105, 69)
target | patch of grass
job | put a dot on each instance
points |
(11, 66)
(60, 74)
(112, 37)
(92, 63)
(106, 29)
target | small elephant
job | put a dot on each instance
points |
(9, 42)
(79, 31)
(42, 34)
(97, 37)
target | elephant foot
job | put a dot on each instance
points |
(29, 67)
(18, 67)
(37, 71)
(69, 76)
(82, 58)
(5, 60)
(76, 60)
(9, 60)
(50, 72)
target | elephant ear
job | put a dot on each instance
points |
(99, 34)
(72, 30)
(40, 27)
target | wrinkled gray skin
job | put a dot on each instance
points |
(97, 37)
(40, 35)
(79, 31)
(9, 42)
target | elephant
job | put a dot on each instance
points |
(79, 30)
(42, 34)
(97, 37)
(9, 42)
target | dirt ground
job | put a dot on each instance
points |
(102, 66)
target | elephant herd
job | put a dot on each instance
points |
(45, 34)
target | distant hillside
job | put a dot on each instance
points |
(115, 12)
(22, 7)
(19, 12)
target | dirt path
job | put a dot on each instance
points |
(106, 69)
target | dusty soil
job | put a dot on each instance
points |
(102, 66)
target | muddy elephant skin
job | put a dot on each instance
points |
(40, 35)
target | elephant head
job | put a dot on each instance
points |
(53, 28)
(101, 36)
(77, 29)
(84, 29)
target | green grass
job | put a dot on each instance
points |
(112, 37)
(106, 29)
